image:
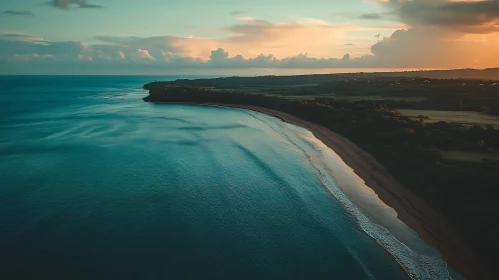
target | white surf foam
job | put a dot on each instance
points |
(419, 263)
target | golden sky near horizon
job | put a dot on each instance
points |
(107, 35)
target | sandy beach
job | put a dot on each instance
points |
(411, 209)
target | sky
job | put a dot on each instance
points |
(240, 36)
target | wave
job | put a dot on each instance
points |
(90, 129)
(418, 265)
(204, 128)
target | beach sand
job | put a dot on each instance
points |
(410, 208)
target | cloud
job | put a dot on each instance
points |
(425, 48)
(64, 4)
(313, 21)
(459, 16)
(118, 55)
(250, 37)
(247, 37)
(371, 16)
(18, 13)
(20, 37)
(142, 54)
(254, 43)
(11, 45)
(441, 34)
(155, 46)
(237, 13)
(280, 39)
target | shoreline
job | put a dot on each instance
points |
(410, 208)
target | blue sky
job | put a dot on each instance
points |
(281, 34)
(180, 18)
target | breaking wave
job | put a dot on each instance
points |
(418, 265)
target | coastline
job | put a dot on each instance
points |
(410, 208)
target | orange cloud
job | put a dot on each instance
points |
(466, 16)
(305, 43)
(424, 48)
(251, 37)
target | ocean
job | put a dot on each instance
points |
(97, 184)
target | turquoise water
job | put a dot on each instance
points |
(96, 184)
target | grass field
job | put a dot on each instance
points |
(469, 156)
(467, 118)
(267, 88)
(293, 92)
(377, 97)
(296, 97)
(346, 97)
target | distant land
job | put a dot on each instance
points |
(469, 73)
(434, 131)
(467, 90)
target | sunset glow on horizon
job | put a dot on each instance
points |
(192, 36)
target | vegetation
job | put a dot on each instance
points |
(397, 92)
(412, 150)
(466, 118)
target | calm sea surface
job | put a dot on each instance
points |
(96, 184)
